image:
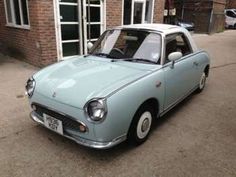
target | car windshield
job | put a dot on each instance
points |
(129, 45)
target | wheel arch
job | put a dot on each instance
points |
(206, 70)
(151, 102)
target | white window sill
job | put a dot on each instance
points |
(27, 27)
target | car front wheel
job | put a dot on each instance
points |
(141, 125)
(202, 82)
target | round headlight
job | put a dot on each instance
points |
(30, 85)
(96, 110)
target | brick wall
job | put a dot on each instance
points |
(158, 11)
(207, 15)
(46, 32)
(231, 4)
(114, 13)
(198, 12)
(19, 42)
(36, 45)
(218, 16)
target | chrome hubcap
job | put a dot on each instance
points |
(144, 125)
(202, 81)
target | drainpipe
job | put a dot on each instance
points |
(182, 15)
(168, 14)
(89, 21)
(211, 17)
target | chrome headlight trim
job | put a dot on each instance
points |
(103, 107)
(30, 86)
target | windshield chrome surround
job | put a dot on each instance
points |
(159, 61)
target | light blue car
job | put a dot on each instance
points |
(132, 75)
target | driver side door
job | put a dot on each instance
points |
(180, 77)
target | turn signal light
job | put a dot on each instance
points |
(82, 128)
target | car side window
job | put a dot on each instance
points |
(230, 14)
(177, 43)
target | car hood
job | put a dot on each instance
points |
(77, 80)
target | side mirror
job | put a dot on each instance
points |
(174, 56)
(89, 45)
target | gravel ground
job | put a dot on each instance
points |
(197, 138)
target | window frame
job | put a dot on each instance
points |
(12, 11)
(152, 4)
(187, 42)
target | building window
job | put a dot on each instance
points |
(137, 11)
(127, 12)
(17, 14)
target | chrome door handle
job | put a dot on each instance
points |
(195, 63)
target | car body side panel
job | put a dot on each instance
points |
(183, 76)
(230, 21)
(203, 60)
(123, 104)
(179, 79)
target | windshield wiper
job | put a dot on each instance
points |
(135, 59)
(100, 54)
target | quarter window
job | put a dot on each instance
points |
(177, 43)
(17, 13)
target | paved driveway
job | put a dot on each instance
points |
(197, 138)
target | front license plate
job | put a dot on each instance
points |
(53, 123)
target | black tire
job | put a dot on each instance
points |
(235, 26)
(202, 83)
(146, 123)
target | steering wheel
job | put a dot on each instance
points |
(117, 53)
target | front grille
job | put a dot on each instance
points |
(67, 121)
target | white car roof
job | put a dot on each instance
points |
(162, 28)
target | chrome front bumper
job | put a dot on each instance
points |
(85, 142)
